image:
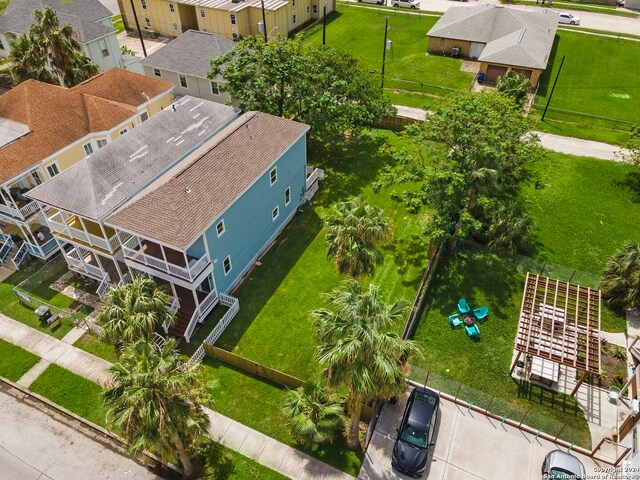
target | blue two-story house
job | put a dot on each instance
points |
(202, 225)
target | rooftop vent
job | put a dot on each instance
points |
(187, 190)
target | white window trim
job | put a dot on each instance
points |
(53, 164)
(180, 77)
(102, 140)
(159, 74)
(213, 82)
(277, 213)
(84, 148)
(227, 272)
(143, 4)
(202, 13)
(142, 113)
(147, 22)
(233, 18)
(124, 130)
(172, 9)
(288, 189)
(273, 181)
(224, 228)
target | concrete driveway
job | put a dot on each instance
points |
(469, 446)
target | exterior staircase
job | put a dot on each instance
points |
(181, 323)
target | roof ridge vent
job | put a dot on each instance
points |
(521, 35)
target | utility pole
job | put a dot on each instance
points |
(384, 48)
(324, 24)
(135, 16)
(552, 89)
(264, 22)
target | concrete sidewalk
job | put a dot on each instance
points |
(265, 450)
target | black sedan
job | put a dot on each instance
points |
(415, 434)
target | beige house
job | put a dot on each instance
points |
(185, 62)
(230, 18)
(45, 129)
(501, 39)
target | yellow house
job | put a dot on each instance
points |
(230, 18)
(45, 129)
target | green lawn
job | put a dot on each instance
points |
(605, 85)
(483, 366)
(15, 361)
(3, 6)
(257, 404)
(92, 344)
(273, 325)
(228, 464)
(360, 32)
(35, 278)
(118, 23)
(75, 393)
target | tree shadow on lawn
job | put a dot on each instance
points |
(407, 254)
(545, 78)
(262, 282)
(631, 185)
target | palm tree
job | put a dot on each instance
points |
(134, 310)
(509, 227)
(313, 412)
(359, 348)
(514, 85)
(353, 230)
(620, 280)
(157, 402)
(50, 53)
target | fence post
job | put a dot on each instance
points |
(458, 391)
(489, 404)
(561, 430)
(523, 417)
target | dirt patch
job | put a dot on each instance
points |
(470, 66)
(614, 367)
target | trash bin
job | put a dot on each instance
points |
(481, 78)
(43, 313)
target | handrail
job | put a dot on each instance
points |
(207, 302)
(29, 208)
(104, 286)
(192, 325)
(20, 254)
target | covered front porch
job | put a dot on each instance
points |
(69, 226)
(17, 239)
(13, 201)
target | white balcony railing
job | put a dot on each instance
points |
(44, 250)
(58, 225)
(189, 273)
(22, 212)
(77, 263)
(200, 313)
(316, 175)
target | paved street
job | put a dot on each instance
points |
(469, 446)
(33, 445)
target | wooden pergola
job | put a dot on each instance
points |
(560, 322)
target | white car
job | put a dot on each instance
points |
(569, 19)
(377, 2)
(406, 3)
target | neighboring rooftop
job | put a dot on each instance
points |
(184, 202)
(102, 182)
(512, 37)
(190, 53)
(83, 15)
(56, 116)
(236, 6)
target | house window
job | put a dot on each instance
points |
(36, 177)
(287, 196)
(183, 81)
(103, 47)
(220, 228)
(273, 175)
(157, 72)
(144, 116)
(171, 8)
(308, 9)
(144, 4)
(147, 22)
(226, 265)
(175, 25)
(215, 88)
(123, 131)
(102, 142)
(234, 36)
(53, 170)
(1, 45)
(88, 149)
(202, 14)
(293, 3)
(293, 18)
(275, 213)
(315, 9)
(233, 19)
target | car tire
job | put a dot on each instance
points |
(396, 5)
(413, 6)
(572, 23)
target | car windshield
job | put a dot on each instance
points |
(560, 474)
(414, 436)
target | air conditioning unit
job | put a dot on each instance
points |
(455, 51)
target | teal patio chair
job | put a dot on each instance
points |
(481, 313)
(454, 321)
(463, 306)
(473, 331)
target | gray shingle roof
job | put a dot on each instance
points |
(184, 202)
(82, 15)
(190, 53)
(102, 182)
(512, 37)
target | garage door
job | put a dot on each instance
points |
(493, 72)
(524, 73)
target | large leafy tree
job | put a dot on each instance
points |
(479, 145)
(50, 53)
(323, 87)
(157, 402)
(514, 85)
(360, 349)
(134, 310)
(354, 228)
(620, 280)
(313, 412)
(631, 152)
